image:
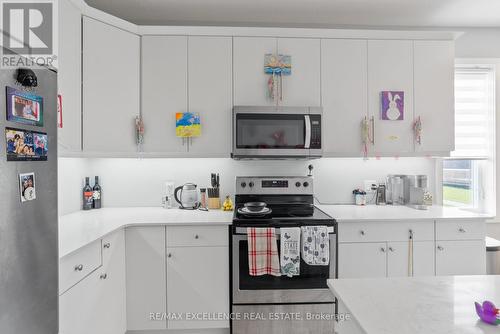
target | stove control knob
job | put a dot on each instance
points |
(250, 184)
(243, 184)
(306, 184)
(297, 184)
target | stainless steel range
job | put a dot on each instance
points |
(298, 304)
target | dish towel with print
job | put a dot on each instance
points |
(315, 245)
(262, 252)
(290, 251)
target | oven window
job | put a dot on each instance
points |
(311, 277)
(270, 131)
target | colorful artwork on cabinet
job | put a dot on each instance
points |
(277, 64)
(187, 124)
(392, 105)
(23, 145)
(27, 187)
(24, 107)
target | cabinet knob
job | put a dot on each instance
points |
(79, 267)
(103, 276)
(392, 249)
(169, 255)
(461, 230)
(440, 248)
(382, 249)
(107, 245)
(362, 232)
(197, 236)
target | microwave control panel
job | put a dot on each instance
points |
(315, 131)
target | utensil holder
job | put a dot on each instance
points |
(214, 203)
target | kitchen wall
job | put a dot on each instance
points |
(139, 182)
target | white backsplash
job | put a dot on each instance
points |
(140, 182)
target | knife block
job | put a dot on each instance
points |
(214, 203)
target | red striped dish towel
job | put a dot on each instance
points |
(263, 256)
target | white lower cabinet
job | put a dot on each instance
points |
(461, 257)
(97, 303)
(197, 283)
(359, 260)
(399, 262)
(146, 278)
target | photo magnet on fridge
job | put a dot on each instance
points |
(24, 107)
(24, 145)
(27, 187)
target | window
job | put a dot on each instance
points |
(468, 175)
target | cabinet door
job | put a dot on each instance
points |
(146, 282)
(398, 259)
(69, 77)
(197, 282)
(464, 257)
(303, 86)
(111, 59)
(164, 91)
(344, 96)
(97, 303)
(390, 68)
(360, 260)
(250, 81)
(210, 87)
(434, 95)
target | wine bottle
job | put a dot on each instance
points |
(97, 194)
(87, 195)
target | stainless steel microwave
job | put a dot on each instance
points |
(276, 132)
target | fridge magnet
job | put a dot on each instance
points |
(392, 105)
(24, 107)
(59, 111)
(27, 187)
(187, 124)
(22, 145)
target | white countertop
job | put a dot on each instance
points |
(389, 212)
(423, 305)
(83, 227)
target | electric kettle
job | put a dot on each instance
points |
(188, 197)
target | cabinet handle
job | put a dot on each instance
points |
(372, 120)
(392, 249)
(197, 236)
(103, 276)
(107, 245)
(461, 230)
(169, 255)
(382, 249)
(440, 248)
(79, 267)
(362, 232)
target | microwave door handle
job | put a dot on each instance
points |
(307, 141)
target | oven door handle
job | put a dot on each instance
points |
(307, 140)
(243, 230)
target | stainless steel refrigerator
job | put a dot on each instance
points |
(28, 230)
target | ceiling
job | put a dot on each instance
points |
(307, 13)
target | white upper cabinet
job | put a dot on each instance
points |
(434, 103)
(250, 81)
(390, 68)
(210, 88)
(302, 87)
(344, 95)
(164, 92)
(69, 77)
(111, 86)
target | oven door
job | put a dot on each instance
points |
(309, 287)
(260, 132)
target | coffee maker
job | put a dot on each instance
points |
(416, 192)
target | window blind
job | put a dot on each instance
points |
(474, 113)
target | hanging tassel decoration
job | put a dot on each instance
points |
(417, 129)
